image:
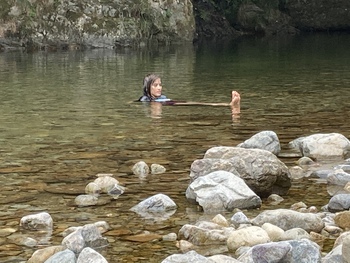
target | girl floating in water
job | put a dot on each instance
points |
(152, 92)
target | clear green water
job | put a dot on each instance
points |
(64, 117)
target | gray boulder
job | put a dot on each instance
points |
(339, 203)
(205, 233)
(222, 191)
(156, 207)
(88, 255)
(265, 140)
(65, 256)
(338, 177)
(261, 170)
(321, 146)
(292, 251)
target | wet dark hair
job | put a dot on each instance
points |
(147, 83)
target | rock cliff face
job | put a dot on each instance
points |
(64, 24)
(96, 24)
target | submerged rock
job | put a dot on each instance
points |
(40, 221)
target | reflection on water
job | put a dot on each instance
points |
(66, 117)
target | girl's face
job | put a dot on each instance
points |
(156, 88)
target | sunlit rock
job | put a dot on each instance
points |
(323, 146)
(247, 236)
(191, 256)
(92, 189)
(90, 255)
(342, 219)
(270, 252)
(102, 227)
(140, 169)
(222, 191)
(205, 233)
(340, 238)
(86, 200)
(86, 236)
(74, 242)
(334, 256)
(294, 234)
(170, 237)
(303, 161)
(288, 219)
(105, 183)
(158, 207)
(292, 251)
(296, 172)
(298, 206)
(220, 220)
(239, 218)
(275, 199)
(274, 232)
(346, 249)
(338, 177)
(223, 259)
(265, 140)
(339, 202)
(261, 170)
(157, 169)
(116, 190)
(41, 255)
(40, 221)
(66, 256)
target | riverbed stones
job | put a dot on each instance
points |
(261, 170)
(321, 146)
(288, 219)
(40, 221)
(265, 140)
(222, 191)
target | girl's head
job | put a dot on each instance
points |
(152, 86)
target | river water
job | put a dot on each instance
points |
(67, 116)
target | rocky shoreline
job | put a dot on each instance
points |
(295, 234)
